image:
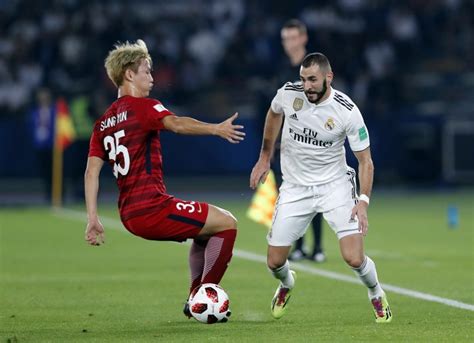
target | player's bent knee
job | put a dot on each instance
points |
(277, 256)
(275, 262)
(226, 220)
(354, 261)
(218, 220)
(231, 222)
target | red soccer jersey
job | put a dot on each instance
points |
(127, 136)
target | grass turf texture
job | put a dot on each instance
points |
(54, 287)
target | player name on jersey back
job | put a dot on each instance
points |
(113, 120)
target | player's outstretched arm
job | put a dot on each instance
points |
(366, 177)
(94, 231)
(260, 171)
(190, 126)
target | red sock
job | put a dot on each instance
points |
(217, 256)
(196, 262)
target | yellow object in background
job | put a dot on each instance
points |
(263, 202)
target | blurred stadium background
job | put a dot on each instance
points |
(407, 64)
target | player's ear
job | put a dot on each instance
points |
(329, 77)
(129, 75)
(305, 38)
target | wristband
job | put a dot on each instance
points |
(365, 198)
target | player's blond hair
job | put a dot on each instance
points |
(125, 56)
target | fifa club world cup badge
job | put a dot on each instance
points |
(298, 104)
(329, 124)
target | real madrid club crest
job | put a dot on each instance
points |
(298, 104)
(329, 124)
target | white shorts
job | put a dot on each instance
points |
(297, 205)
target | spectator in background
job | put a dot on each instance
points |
(294, 38)
(207, 48)
(48, 47)
(380, 58)
(80, 109)
(42, 119)
(369, 43)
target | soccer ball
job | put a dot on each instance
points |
(209, 304)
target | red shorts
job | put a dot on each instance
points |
(177, 221)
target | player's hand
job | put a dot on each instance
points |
(259, 173)
(229, 131)
(95, 232)
(360, 210)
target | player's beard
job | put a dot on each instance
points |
(319, 94)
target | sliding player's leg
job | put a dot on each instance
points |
(211, 250)
(220, 230)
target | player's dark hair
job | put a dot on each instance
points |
(316, 58)
(295, 24)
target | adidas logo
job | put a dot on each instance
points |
(294, 116)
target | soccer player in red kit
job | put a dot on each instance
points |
(127, 136)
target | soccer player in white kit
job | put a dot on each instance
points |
(316, 177)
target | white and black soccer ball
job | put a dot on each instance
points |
(209, 304)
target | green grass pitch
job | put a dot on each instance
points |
(55, 288)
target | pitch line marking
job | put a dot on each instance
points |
(250, 256)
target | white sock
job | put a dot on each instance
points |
(368, 275)
(283, 274)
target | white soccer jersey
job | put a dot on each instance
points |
(312, 143)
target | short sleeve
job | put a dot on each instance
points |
(277, 102)
(154, 112)
(95, 146)
(357, 132)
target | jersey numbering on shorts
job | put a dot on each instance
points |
(177, 221)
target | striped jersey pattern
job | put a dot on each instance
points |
(294, 86)
(343, 100)
(127, 137)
